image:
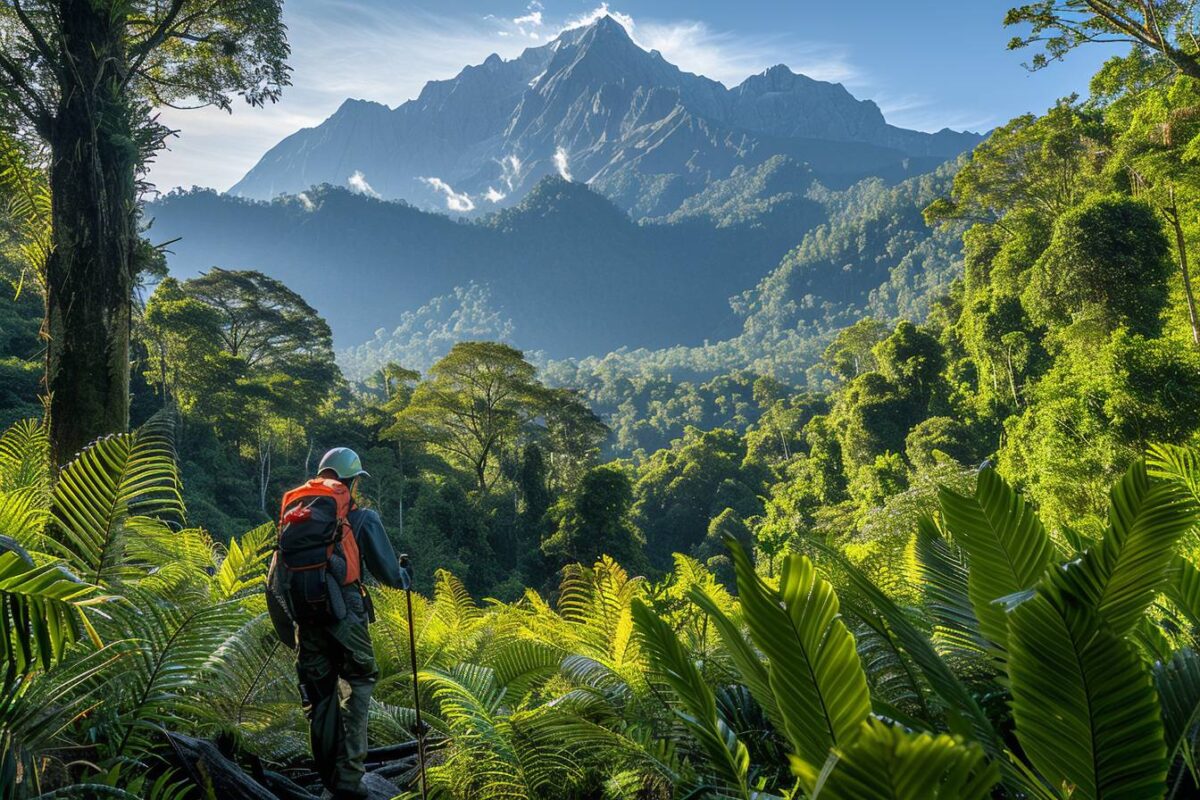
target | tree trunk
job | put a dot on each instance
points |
(90, 271)
(1181, 246)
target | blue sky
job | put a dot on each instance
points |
(927, 63)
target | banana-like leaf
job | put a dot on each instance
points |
(1087, 714)
(1178, 684)
(749, 664)
(727, 757)
(964, 711)
(1007, 548)
(40, 612)
(815, 672)
(112, 479)
(1122, 576)
(887, 761)
(1183, 587)
(944, 574)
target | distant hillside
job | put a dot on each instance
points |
(873, 256)
(594, 105)
(570, 270)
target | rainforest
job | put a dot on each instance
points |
(743, 445)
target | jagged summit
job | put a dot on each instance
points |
(596, 107)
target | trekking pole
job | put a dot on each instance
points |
(412, 655)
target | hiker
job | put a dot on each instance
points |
(321, 609)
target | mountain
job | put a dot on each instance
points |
(595, 106)
(570, 270)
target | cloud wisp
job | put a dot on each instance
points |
(358, 183)
(562, 164)
(455, 201)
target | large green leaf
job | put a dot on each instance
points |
(1007, 547)
(749, 663)
(726, 756)
(815, 672)
(1087, 714)
(885, 761)
(868, 600)
(1122, 576)
(113, 479)
(1178, 684)
(39, 613)
(945, 576)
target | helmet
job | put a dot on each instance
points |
(344, 462)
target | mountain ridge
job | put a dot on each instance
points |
(594, 105)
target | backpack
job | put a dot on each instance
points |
(317, 549)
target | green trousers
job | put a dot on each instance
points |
(337, 718)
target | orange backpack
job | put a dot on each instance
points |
(315, 532)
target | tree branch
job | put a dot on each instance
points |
(156, 38)
(38, 39)
(32, 106)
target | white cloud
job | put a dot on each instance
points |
(455, 201)
(493, 195)
(306, 201)
(562, 164)
(597, 13)
(358, 183)
(533, 18)
(510, 167)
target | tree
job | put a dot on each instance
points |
(1155, 149)
(1108, 257)
(228, 329)
(474, 404)
(594, 521)
(1164, 28)
(1029, 164)
(81, 76)
(850, 354)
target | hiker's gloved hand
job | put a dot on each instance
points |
(406, 568)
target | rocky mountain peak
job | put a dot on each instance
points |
(596, 105)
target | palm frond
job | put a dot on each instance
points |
(944, 573)
(1086, 711)
(1007, 548)
(887, 761)
(1178, 684)
(171, 652)
(113, 479)
(244, 564)
(25, 457)
(40, 614)
(1147, 516)
(727, 756)
(814, 671)
(868, 599)
(750, 666)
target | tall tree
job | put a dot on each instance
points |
(1163, 29)
(473, 406)
(82, 76)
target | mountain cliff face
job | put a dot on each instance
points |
(595, 106)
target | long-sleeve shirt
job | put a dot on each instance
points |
(378, 556)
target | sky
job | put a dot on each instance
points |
(928, 64)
